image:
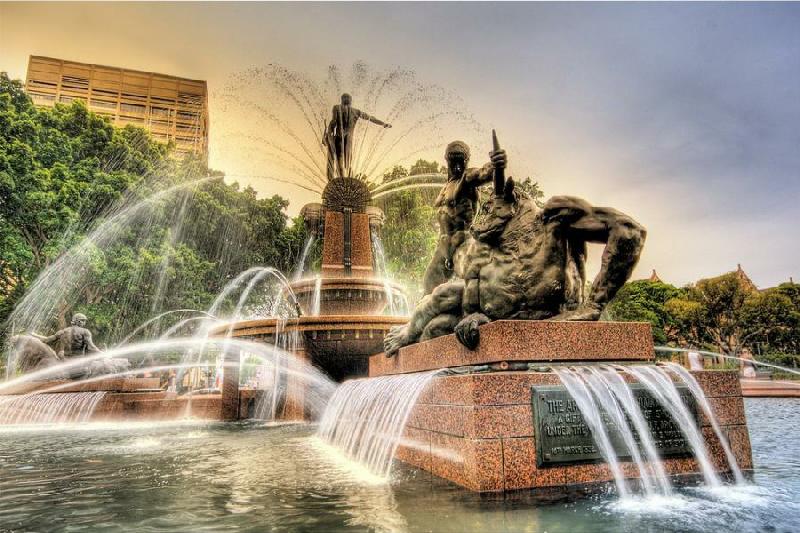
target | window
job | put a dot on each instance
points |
(42, 84)
(43, 98)
(103, 104)
(132, 108)
(74, 82)
(160, 112)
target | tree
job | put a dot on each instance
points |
(772, 321)
(410, 233)
(644, 301)
(65, 171)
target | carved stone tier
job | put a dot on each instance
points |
(526, 340)
(347, 247)
(134, 398)
(338, 344)
(164, 405)
(115, 384)
(345, 296)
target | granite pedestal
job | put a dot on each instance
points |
(476, 429)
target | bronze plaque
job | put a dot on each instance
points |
(563, 437)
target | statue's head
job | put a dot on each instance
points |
(347, 99)
(79, 319)
(495, 213)
(457, 156)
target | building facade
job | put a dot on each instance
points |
(170, 108)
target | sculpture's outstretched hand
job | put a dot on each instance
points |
(498, 158)
(387, 125)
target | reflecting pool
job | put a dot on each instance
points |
(193, 476)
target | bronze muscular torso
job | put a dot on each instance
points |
(525, 274)
(74, 341)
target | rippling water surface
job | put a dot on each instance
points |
(209, 477)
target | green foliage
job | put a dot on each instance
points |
(715, 311)
(65, 170)
(59, 169)
(725, 313)
(410, 233)
(772, 321)
(644, 301)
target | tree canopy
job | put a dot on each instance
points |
(66, 172)
(724, 313)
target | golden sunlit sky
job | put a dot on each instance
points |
(685, 116)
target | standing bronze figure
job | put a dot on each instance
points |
(456, 206)
(338, 138)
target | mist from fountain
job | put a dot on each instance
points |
(301, 261)
(436, 180)
(143, 326)
(389, 293)
(175, 328)
(705, 353)
(317, 388)
(283, 288)
(65, 278)
(252, 276)
(173, 238)
(424, 118)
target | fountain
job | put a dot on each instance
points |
(340, 322)
(553, 401)
(492, 389)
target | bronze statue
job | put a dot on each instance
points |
(34, 352)
(72, 341)
(338, 138)
(31, 354)
(456, 206)
(522, 262)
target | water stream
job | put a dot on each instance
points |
(53, 408)
(316, 301)
(624, 395)
(301, 261)
(592, 416)
(365, 418)
(697, 392)
(663, 389)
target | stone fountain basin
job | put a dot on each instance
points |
(344, 296)
(338, 344)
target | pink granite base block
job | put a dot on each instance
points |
(476, 430)
(506, 341)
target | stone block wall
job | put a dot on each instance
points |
(477, 431)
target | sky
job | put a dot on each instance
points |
(684, 116)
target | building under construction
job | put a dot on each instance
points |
(170, 108)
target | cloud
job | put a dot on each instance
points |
(687, 116)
